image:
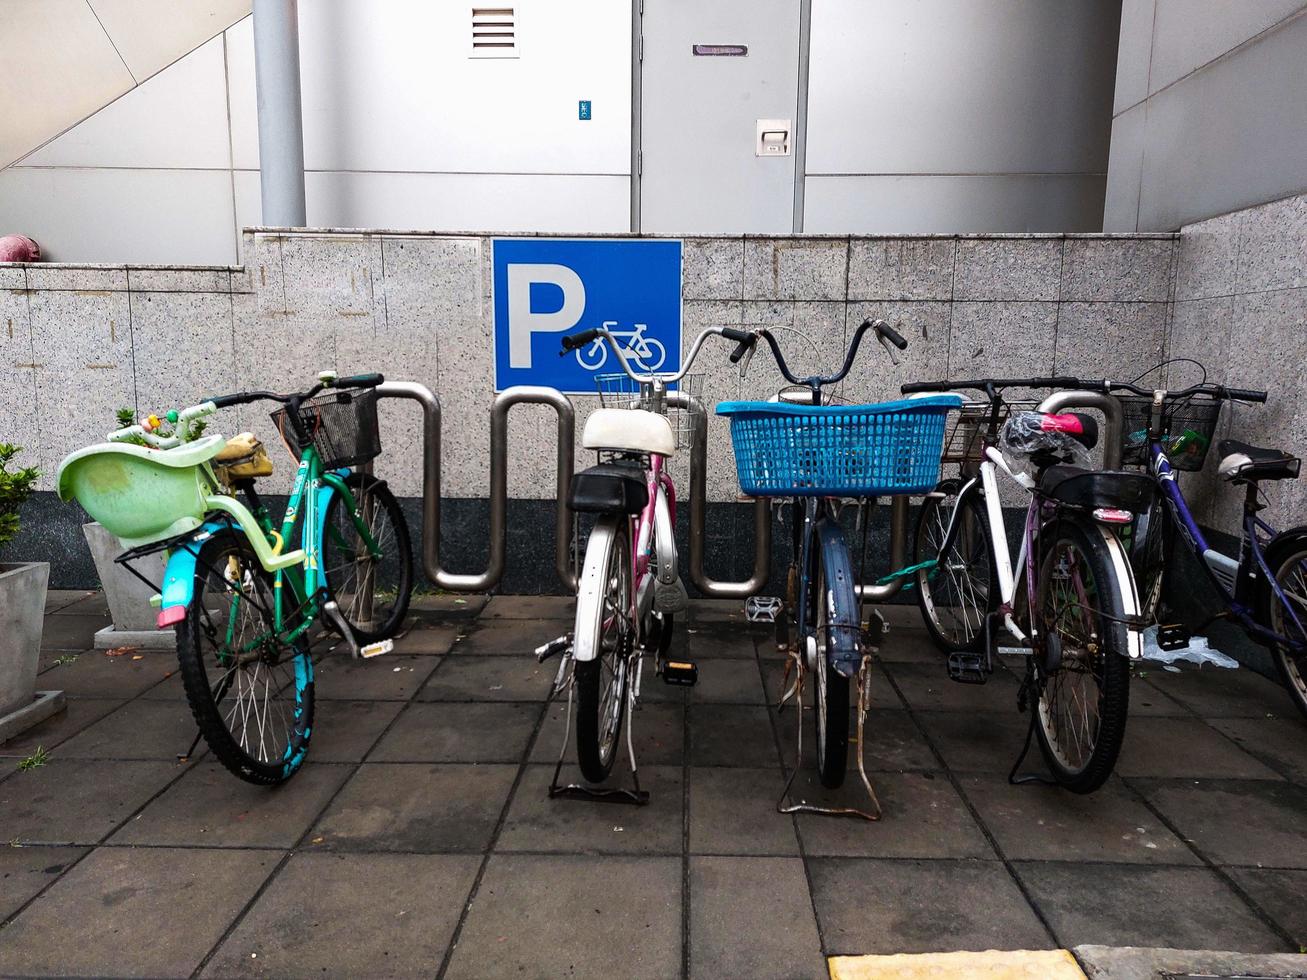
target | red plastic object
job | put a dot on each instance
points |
(171, 615)
(19, 248)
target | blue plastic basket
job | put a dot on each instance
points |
(784, 450)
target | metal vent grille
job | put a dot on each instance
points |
(494, 33)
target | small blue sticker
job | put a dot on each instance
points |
(583, 109)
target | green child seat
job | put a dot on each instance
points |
(142, 495)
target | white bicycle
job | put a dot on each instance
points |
(647, 352)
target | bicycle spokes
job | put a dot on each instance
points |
(1071, 700)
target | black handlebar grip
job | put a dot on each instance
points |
(892, 335)
(370, 380)
(912, 387)
(1245, 394)
(226, 401)
(572, 342)
(743, 348)
(740, 336)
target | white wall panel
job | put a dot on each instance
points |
(1134, 53)
(391, 88)
(177, 119)
(885, 205)
(151, 34)
(1190, 33)
(87, 215)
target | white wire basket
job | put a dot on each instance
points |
(622, 391)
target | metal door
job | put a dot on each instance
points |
(710, 73)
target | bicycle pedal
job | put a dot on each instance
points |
(376, 649)
(763, 608)
(1172, 637)
(967, 668)
(553, 647)
(683, 673)
(671, 597)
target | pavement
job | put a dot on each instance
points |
(418, 839)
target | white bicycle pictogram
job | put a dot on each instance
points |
(647, 351)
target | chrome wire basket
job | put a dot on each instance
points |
(965, 442)
(622, 391)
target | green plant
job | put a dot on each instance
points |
(35, 760)
(15, 487)
(125, 417)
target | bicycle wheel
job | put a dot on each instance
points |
(604, 612)
(1149, 547)
(831, 690)
(251, 693)
(1083, 695)
(353, 573)
(961, 590)
(1286, 557)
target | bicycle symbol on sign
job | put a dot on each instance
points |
(647, 351)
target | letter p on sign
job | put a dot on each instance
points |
(523, 321)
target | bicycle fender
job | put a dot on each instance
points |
(322, 498)
(844, 632)
(1129, 592)
(179, 575)
(590, 589)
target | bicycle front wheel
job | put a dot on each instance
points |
(371, 585)
(1084, 683)
(1286, 557)
(250, 692)
(832, 606)
(603, 612)
(961, 590)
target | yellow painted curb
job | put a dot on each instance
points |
(992, 964)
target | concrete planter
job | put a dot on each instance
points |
(128, 597)
(22, 618)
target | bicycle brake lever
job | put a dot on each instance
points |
(744, 362)
(893, 351)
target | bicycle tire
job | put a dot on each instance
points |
(1149, 549)
(1106, 658)
(968, 570)
(1284, 557)
(393, 574)
(600, 708)
(831, 689)
(227, 555)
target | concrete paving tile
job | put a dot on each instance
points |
(424, 640)
(1280, 895)
(572, 915)
(659, 736)
(728, 682)
(1236, 822)
(537, 823)
(59, 599)
(72, 631)
(210, 807)
(1184, 747)
(893, 740)
(79, 713)
(344, 731)
(704, 612)
(876, 906)
(923, 817)
(1147, 701)
(980, 742)
(905, 646)
(731, 735)
(735, 906)
(374, 915)
(733, 811)
(24, 871)
(77, 801)
(94, 675)
(447, 606)
(432, 809)
(711, 641)
(459, 732)
(134, 912)
(1226, 693)
(382, 678)
(927, 687)
(509, 638)
(1046, 823)
(1118, 905)
(1279, 742)
(775, 683)
(140, 729)
(529, 607)
(490, 679)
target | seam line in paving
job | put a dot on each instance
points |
(1228, 880)
(685, 841)
(975, 816)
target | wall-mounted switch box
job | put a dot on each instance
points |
(773, 138)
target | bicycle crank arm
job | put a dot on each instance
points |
(333, 613)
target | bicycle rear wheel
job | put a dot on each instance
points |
(355, 575)
(1084, 686)
(832, 608)
(251, 693)
(1286, 557)
(961, 590)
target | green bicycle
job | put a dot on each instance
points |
(243, 607)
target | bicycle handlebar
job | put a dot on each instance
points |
(886, 334)
(992, 385)
(575, 341)
(1216, 391)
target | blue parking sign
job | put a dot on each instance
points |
(545, 288)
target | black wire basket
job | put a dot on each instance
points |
(341, 425)
(1188, 425)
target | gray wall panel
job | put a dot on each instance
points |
(1190, 33)
(1134, 53)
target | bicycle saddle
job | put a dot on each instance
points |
(1243, 462)
(630, 430)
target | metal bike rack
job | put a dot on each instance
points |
(698, 509)
(504, 402)
(1107, 404)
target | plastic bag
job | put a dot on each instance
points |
(1199, 652)
(1025, 434)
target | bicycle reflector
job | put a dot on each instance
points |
(1112, 515)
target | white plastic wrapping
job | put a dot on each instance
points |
(1026, 433)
